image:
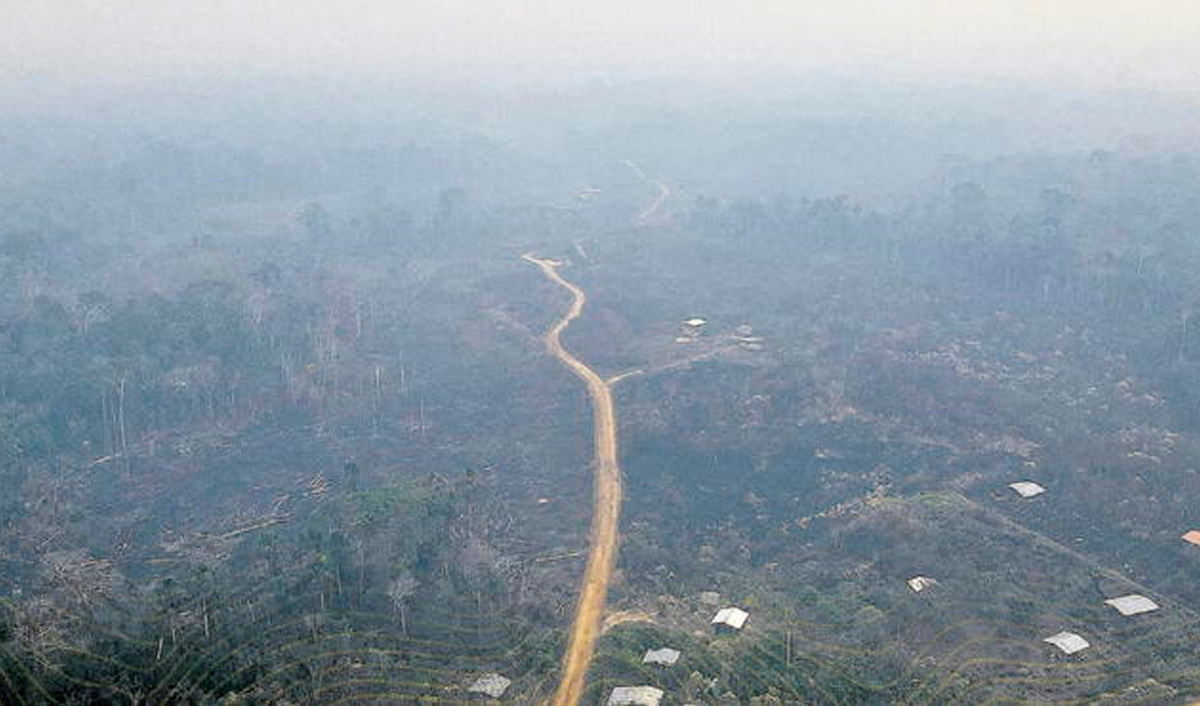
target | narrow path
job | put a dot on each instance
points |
(606, 507)
(664, 192)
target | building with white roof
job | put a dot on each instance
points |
(635, 696)
(731, 618)
(492, 685)
(1068, 642)
(1027, 488)
(664, 656)
(1132, 604)
(920, 583)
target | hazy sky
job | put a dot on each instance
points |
(1101, 42)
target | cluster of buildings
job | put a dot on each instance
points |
(1069, 642)
(727, 620)
(1132, 604)
(691, 329)
(730, 619)
(733, 619)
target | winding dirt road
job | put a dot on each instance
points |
(606, 513)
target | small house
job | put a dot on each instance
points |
(729, 619)
(1027, 489)
(692, 326)
(663, 656)
(1132, 604)
(1192, 537)
(491, 685)
(635, 696)
(1068, 642)
(920, 583)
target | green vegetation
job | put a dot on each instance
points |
(297, 440)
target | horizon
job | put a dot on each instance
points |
(1087, 44)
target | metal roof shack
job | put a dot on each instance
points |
(635, 696)
(664, 656)
(730, 618)
(1192, 537)
(920, 583)
(1132, 604)
(1027, 489)
(491, 685)
(1068, 642)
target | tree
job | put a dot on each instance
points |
(400, 589)
(352, 475)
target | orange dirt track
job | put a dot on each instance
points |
(606, 513)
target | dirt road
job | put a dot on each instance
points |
(606, 508)
(664, 192)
